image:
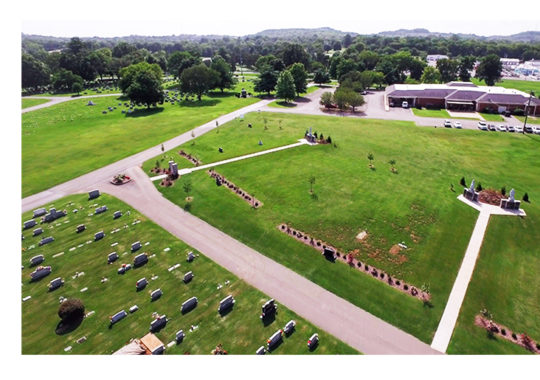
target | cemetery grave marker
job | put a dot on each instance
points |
(189, 305)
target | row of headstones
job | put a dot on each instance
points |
(47, 217)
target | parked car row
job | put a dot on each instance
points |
(483, 126)
(448, 124)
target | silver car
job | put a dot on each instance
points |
(501, 128)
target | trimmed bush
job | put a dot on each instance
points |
(71, 310)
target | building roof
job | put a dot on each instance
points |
(506, 99)
(433, 93)
(461, 84)
(464, 95)
(428, 86)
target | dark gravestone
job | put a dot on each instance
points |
(155, 295)
(218, 181)
(188, 277)
(268, 309)
(93, 194)
(313, 341)
(190, 257)
(226, 304)
(112, 257)
(136, 246)
(180, 336)
(37, 231)
(36, 260)
(189, 305)
(260, 351)
(29, 224)
(47, 240)
(39, 212)
(141, 284)
(118, 317)
(56, 283)
(158, 323)
(140, 260)
(289, 327)
(273, 341)
(220, 150)
(40, 273)
(101, 210)
(81, 228)
(53, 215)
(99, 235)
(117, 214)
(124, 268)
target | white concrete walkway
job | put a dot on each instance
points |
(234, 159)
(457, 295)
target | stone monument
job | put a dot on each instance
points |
(173, 169)
(470, 193)
(310, 137)
(510, 203)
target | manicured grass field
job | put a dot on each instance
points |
(283, 104)
(506, 282)
(521, 85)
(84, 92)
(491, 117)
(32, 102)
(530, 119)
(415, 206)
(70, 139)
(442, 114)
(240, 332)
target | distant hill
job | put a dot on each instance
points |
(292, 33)
(530, 36)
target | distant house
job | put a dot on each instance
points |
(433, 58)
(510, 63)
(461, 96)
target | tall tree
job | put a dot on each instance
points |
(347, 40)
(146, 88)
(226, 79)
(431, 75)
(34, 73)
(489, 69)
(448, 69)
(198, 80)
(285, 88)
(63, 80)
(267, 80)
(293, 53)
(299, 75)
(181, 60)
(129, 73)
(321, 76)
(466, 64)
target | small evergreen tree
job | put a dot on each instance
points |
(479, 187)
(462, 182)
(525, 197)
(503, 190)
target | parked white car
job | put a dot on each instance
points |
(457, 125)
(519, 129)
(501, 128)
(482, 126)
(405, 104)
(447, 124)
(536, 130)
(511, 128)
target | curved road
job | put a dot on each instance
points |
(333, 314)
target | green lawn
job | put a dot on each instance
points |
(491, 117)
(70, 139)
(283, 104)
(241, 331)
(521, 85)
(415, 206)
(442, 114)
(32, 102)
(530, 119)
(506, 282)
(102, 91)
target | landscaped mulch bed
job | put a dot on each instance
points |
(490, 196)
(190, 158)
(504, 332)
(254, 202)
(351, 261)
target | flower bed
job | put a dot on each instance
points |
(504, 332)
(254, 202)
(120, 179)
(190, 158)
(354, 263)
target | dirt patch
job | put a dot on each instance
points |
(490, 196)
(395, 249)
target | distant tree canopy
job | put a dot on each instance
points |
(448, 69)
(431, 75)
(34, 72)
(142, 83)
(181, 60)
(293, 53)
(198, 80)
(489, 69)
(63, 80)
(267, 80)
(224, 71)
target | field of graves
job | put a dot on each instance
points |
(81, 262)
(414, 205)
(60, 143)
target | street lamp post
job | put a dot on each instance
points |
(527, 110)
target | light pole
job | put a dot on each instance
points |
(527, 110)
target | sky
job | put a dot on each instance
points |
(240, 17)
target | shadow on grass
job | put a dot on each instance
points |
(286, 104)
(302, 100)
(65, 327)
(145, 112)
(225, 312)
(269, 319)
(199, 103)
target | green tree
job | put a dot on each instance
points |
(489, 69)
(341, 98)
(146, 88)
(285, 88)
(355, 100)
(466, 64)
(34, 73)
(181, 60)
(187, 187)
(326, 99)
(225, 75)
(267, 80)
(448, 69)
(321, 76)
(431, 75)
(370, 157)
(369, 59)
(299, 75)
(63, 80)
(128, 74)
(198, 80)
(311, 182)
(293, 53)
(77, 88)
(101, 61)
(347, 40)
